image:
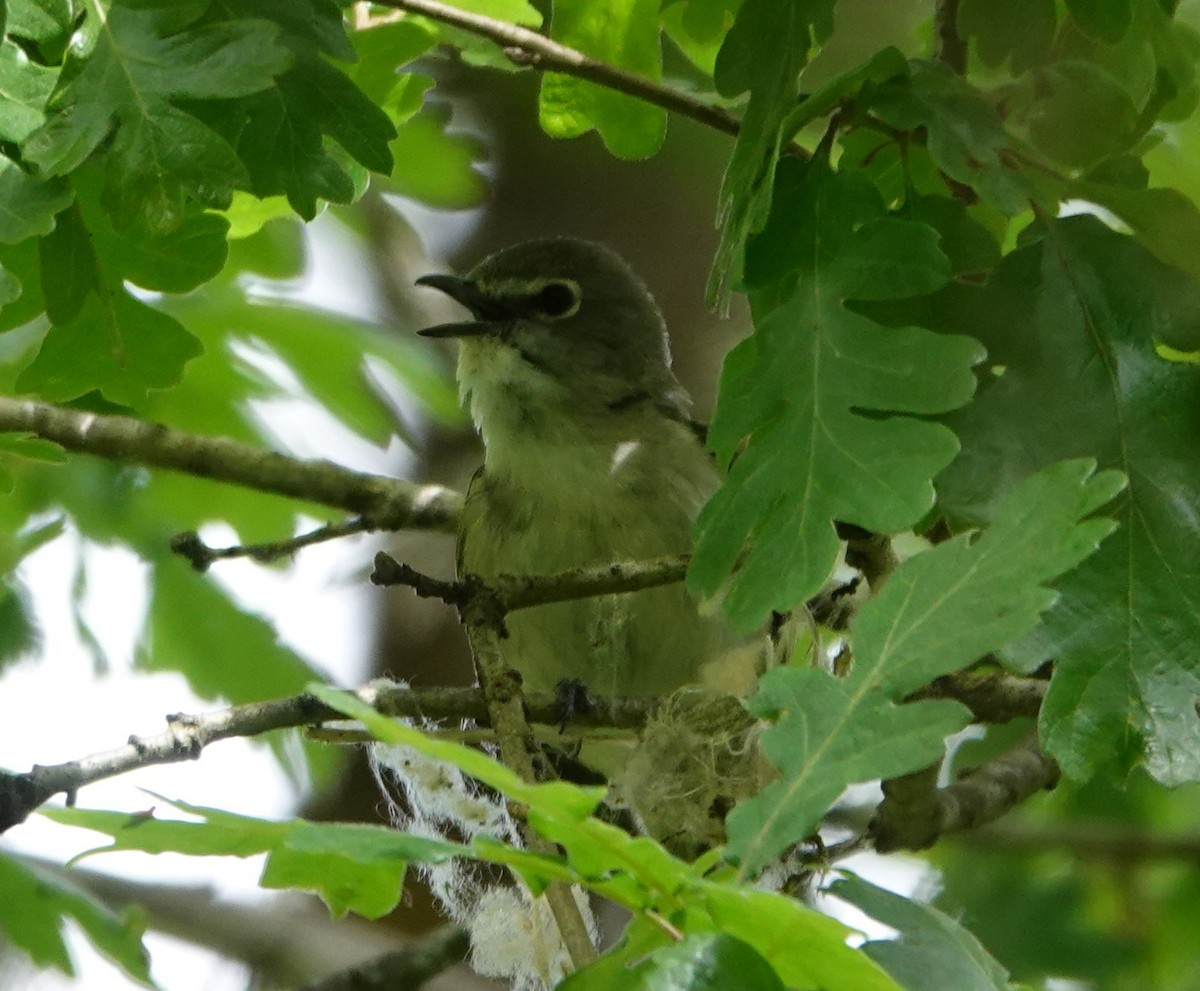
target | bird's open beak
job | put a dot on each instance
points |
(464, 291)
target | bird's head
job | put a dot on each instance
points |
(561, 316)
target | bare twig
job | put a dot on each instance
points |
(186, 735)
(389, 504)
(529, 48)
(201, 556)
(915, 812)
(508, 593)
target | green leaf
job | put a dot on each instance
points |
(706, 20)
(39, 20)
(175, 262)
(818, 391)
(19, 634)
(483, 52)
(380, 49)
(969, 245)
(383, 47)
(806, 949)
(282, 140)
(109, 339)
(435, 167)
(27, 204)
(705, 962)
(939, 611)
(1071, 324)
(763, 52)
(1020, 29)
(21, 284)
(224, 650)
(115, 344)
(25, 87)
(976, 593)
(1105, 20)
(1165, 221)
(69, 267)
(10, 287)
(932, 952)
(35, 905)
(247, 214)
(158, 162)
(159, 155)
(880, 67)
(615, 970)
(280, 131)
(334, 106)
(625, 35)
(1085, 115)
(698, 46)
(353, 867)
(965, 136)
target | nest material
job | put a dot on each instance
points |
(698, 758)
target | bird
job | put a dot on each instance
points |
(590, 457)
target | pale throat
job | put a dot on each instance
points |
(538, 433)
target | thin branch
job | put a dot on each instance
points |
(410, 967)
(388, 503)
(186, 735)
(508, 593)
(949, 46)
(915, 812)
(201, 556)
(536, 51)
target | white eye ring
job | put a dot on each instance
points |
(557, 299)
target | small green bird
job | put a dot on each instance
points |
(590, 457)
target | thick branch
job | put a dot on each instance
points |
(388, 504)
(992, 696)
(915, 812)
(186, 735)
(529, 48)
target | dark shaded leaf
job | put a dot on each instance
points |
(1071, 323)
(795, 394)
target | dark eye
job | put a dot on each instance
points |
(556, 299)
